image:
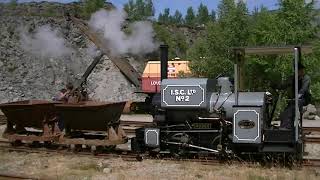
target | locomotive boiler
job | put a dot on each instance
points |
(213, 115)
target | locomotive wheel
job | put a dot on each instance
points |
(75, 147)
(215, 141)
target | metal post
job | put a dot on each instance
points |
(236, 83)
(241, 74)
(296, 98)
(236, 79)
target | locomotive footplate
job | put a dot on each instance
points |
(278, 136)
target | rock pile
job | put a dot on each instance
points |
(25, 76)
(310, 113)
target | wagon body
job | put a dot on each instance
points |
(90, 115)
(29, 113)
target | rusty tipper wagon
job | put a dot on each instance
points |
(92, 123)
(31, 120)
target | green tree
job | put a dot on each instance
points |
(149, 9)
(234, 20)
(213, 16)
(295, 21)
(291, 25)
(139, 9)
(177, 18)
(203, 14)
(296, 26)
(176, 41)
(190, 17)
(165, 17)
(264, 28)
(91, 6)
(211, 55)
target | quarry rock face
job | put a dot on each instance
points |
(24, 75)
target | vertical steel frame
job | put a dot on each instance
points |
(297, 54)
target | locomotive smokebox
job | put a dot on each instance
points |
(164, 61)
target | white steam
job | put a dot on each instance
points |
(139, 40)
(45, 42)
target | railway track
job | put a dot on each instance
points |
(309, 130)
(15, 177)
(312, 135)
(314, 140)
(130, 156)
(129, 127)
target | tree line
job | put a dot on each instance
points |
(232, 25)
(192, 18)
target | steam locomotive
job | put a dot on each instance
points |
(195, 115)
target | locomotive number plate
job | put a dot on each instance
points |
(183, 95)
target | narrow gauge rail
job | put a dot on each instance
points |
(315, 140)
(15, 177)
(309, 130)
(130, 156)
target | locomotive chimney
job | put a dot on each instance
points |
(164, 61)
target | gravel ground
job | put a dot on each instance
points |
(74, 167)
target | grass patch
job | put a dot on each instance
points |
(86, 167)
(256, 177)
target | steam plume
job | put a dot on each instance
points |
(45, 42)
(140, 40)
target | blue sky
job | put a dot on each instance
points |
(181, 5)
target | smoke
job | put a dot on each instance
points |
(92, 50)
(110, 23)
(45, 42)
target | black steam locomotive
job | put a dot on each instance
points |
(214, 116)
